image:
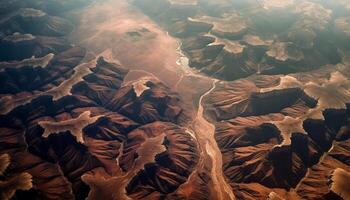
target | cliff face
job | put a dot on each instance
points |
(233, 40)
(68, 119)
(273, 101)
(278, 137)
(281, 104)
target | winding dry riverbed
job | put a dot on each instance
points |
(205, 132)
(106, 26)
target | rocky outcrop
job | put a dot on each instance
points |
(75, 125)
(10, 185)
(21, 46)
(274, 135)
(170, 167)
(274, 37)
(67, 115)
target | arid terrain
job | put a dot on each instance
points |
(175, 99)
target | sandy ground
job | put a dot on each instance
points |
(136, 42)
(139, 44)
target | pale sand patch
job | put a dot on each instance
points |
(255, 40)
(229, 23)
(17, 37)
(33, 61)
(270, 4)
(74, 125)
(332, 93)
(184, 2)
(234, 47)
(341, 183)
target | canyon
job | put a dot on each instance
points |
(173, 99)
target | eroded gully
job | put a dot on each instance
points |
(172, 64)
